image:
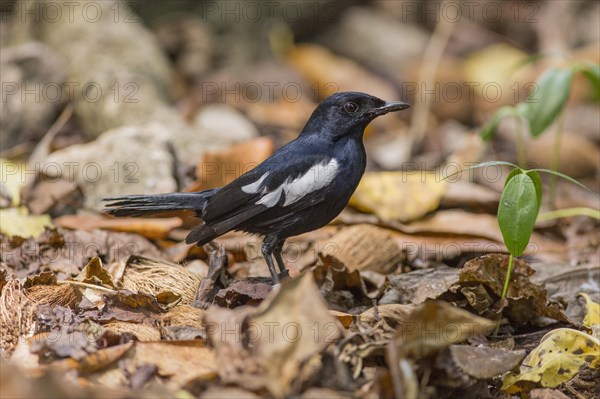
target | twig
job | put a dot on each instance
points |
(376, 310)
(86, 285)
(431, 59)
(41, 151)
(521, 157)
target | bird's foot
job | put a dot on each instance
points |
(284, 275)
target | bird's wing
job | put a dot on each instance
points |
(276, 182)
(281, 185)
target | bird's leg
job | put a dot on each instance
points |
(283, 272)
(268, 246)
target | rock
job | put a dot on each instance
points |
(216, 127)
(32, 77)
(227, 124)
(127, 160)
(113, 80)
(385, 43)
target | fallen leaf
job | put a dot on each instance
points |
(321, 66)
(363, 247)
(245, 292)
(562, 354)
(399, 196)
(483, 362)
(53, 196)
(394, 314)
(419, 285)
(435, 325)
(94, 273)
(303, 327)
(592, 311)
(345, 318)
(526, 301)
(12, 181)
(18, 222)
(147, 227)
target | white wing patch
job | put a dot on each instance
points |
(317, 177)
(252, 188)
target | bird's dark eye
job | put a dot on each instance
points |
(350, 107)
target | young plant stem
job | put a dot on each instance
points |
(505, 290)
(521, 159)
(556, 157)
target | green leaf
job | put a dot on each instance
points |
(481, 165)
(512, 174)
(547, 102)
(488, 130)
(592, 73)
(568, 212)
(569, 178)
(532, 59)
(517, 213)
(537, 181)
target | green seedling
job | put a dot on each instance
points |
(543, 107)
(519, 208)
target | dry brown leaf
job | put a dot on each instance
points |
(363, 247)
(435, 325)
(147, 227)
(418, 286)
(525, 301)
(245, 292)
(181, 362)
(483, 362)
(302, 327)
(458, 222)
(345, 318)
(394, 314)
(334, 73)
(94, 273)
(94, 361)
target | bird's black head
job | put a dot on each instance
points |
(348, 113)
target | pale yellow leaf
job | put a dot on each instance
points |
(18, 222)
(558, 358)
(401, 196)
(592, 311)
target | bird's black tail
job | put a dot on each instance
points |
(140, 205)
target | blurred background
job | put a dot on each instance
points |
(108, 98)
(202, 75)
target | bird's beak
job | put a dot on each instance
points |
(389, 106)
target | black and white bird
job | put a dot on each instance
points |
(301, 187)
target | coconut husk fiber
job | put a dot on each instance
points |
(17, 316)
(54, 295)
(140, 274)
